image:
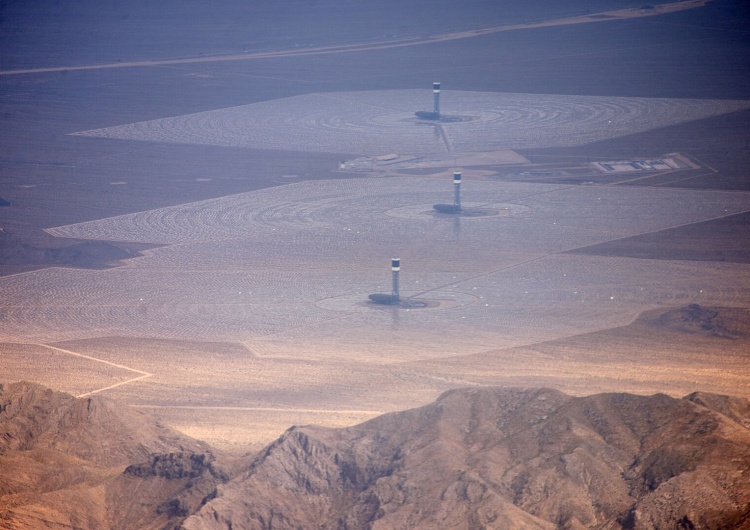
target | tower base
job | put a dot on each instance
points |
(427, 115)
(446, 208)
(385, 299)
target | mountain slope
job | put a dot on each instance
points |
(476, 458)
(93, 463)
(94, 429)
(499, 458)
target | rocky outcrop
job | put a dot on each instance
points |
(724, 322)
(164, 490)
(16, 255)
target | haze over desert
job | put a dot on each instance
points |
(201, 199)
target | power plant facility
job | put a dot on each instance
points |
(393, 298)
(435, 114)
(454, 208)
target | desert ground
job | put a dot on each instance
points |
(247, 178)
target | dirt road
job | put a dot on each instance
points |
(604, 16)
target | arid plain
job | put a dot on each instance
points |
(251, 188)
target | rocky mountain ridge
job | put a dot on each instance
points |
(505, 458)
(475, 458)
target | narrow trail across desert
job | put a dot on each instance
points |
(143, 375)
(260, 409)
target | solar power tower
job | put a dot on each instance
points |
(395, 268)
(454, 208)
(436, 96)
(394, 298)
(456, 192)
(433, 115)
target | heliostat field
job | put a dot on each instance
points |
(286, 270)
(383, 121)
